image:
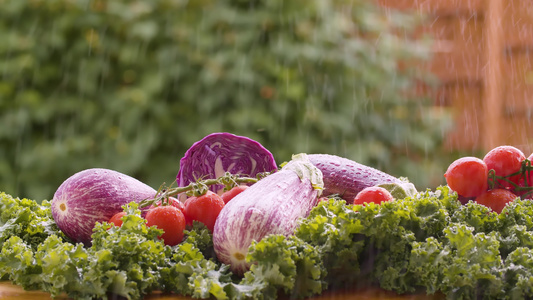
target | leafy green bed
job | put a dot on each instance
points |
(429, 242)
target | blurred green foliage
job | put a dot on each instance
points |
(130, 85)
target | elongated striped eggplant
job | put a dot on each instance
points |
(346, 177)
(273, 205)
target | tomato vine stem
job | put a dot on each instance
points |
(525, 172)
(200, 187)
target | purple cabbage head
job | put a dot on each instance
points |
(222, 152)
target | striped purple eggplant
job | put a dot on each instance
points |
(94, 195)
(273, 205)
(346, 177)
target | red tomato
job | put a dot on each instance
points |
(505, 160)
(496, 199)
(204, 208)
(228, 195)
(117, 218)
(374, 194)
(171, 220)
(187, 201)
(468, 176)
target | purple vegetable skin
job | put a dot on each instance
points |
(346, 177)
(94, 195)
(222, 152)
(273, 205)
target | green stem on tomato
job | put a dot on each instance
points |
(525, 171)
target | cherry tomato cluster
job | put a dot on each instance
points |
(500, 177)
(174, 216)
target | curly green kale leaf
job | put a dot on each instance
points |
(398, 225)
(122, 260)
(197, 277)
(463, 265)
(285, 263)
(429, 212)
(514, 237)
(193, 269)
(60, 265)
(336, 231)
(426, 263)
(477, 216)
(137, 256)
(518, 212)
(26, 219)
(390, 265)
(17, 263)
(200, 237)
(475, 264)
(373, 242)
(279, 263)
(519, 273)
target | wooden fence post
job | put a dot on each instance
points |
(493, 78)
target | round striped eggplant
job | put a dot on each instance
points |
(273, 205)
(94, 195)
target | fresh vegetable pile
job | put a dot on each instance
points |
(280, 233)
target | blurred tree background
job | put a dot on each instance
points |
(130, 85)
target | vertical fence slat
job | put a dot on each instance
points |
(493, 79)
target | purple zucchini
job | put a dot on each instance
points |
(94, 195)
(346, 177)
(273, 205)
(222, 152)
